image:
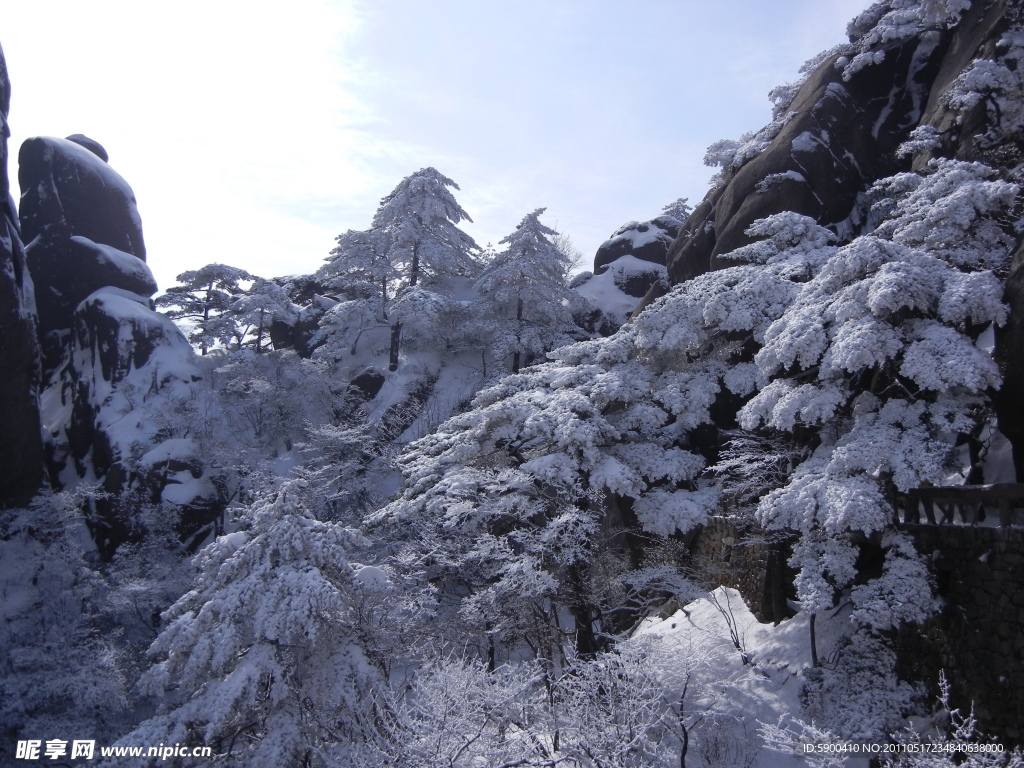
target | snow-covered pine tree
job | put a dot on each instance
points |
(256, 309)
(502, 505)
(203, 299)
(418, 222)
(359, 267)
(63, 670)
(523, 294)
(265, 659)
(679, 210)
(875, 364)
(413, 240)
(867, 357)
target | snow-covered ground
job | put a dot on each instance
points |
(737, 696)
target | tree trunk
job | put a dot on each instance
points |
(396, 342)
(814, 641)
(259, 333)
(583, 612)
(517, 355)
(414, 268)
(206, 317)
(586, 641)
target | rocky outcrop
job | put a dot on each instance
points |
(83, 231)
(837, 136)
(841, 136)
(73, 268)
(647, 241)
(68, 189)
(626, 267)
(976, 37)
(21, 450)
(300, 333)
(109, 406)
(115, 371)
(616, 291)
(297, 332)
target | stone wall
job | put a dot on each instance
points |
(978, 637)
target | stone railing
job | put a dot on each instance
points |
(973, 504)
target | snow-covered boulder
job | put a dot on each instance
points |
(21, 451)
(647, 241)
(69, 270)
(616, 291)
(108, 412)
(626, 266)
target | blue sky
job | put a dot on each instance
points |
(253, 133)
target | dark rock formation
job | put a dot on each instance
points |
(626, 267)
(117, 343)
(364, 387)
(83, 231)
(843, 135)
(299, 335)
(616, 291)
(975, 37)
(648, 241)
(70, 270)
(21, 450)
(68, 190)
(724, 552)
(112, 366)
(636, 284)
(91, 144)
